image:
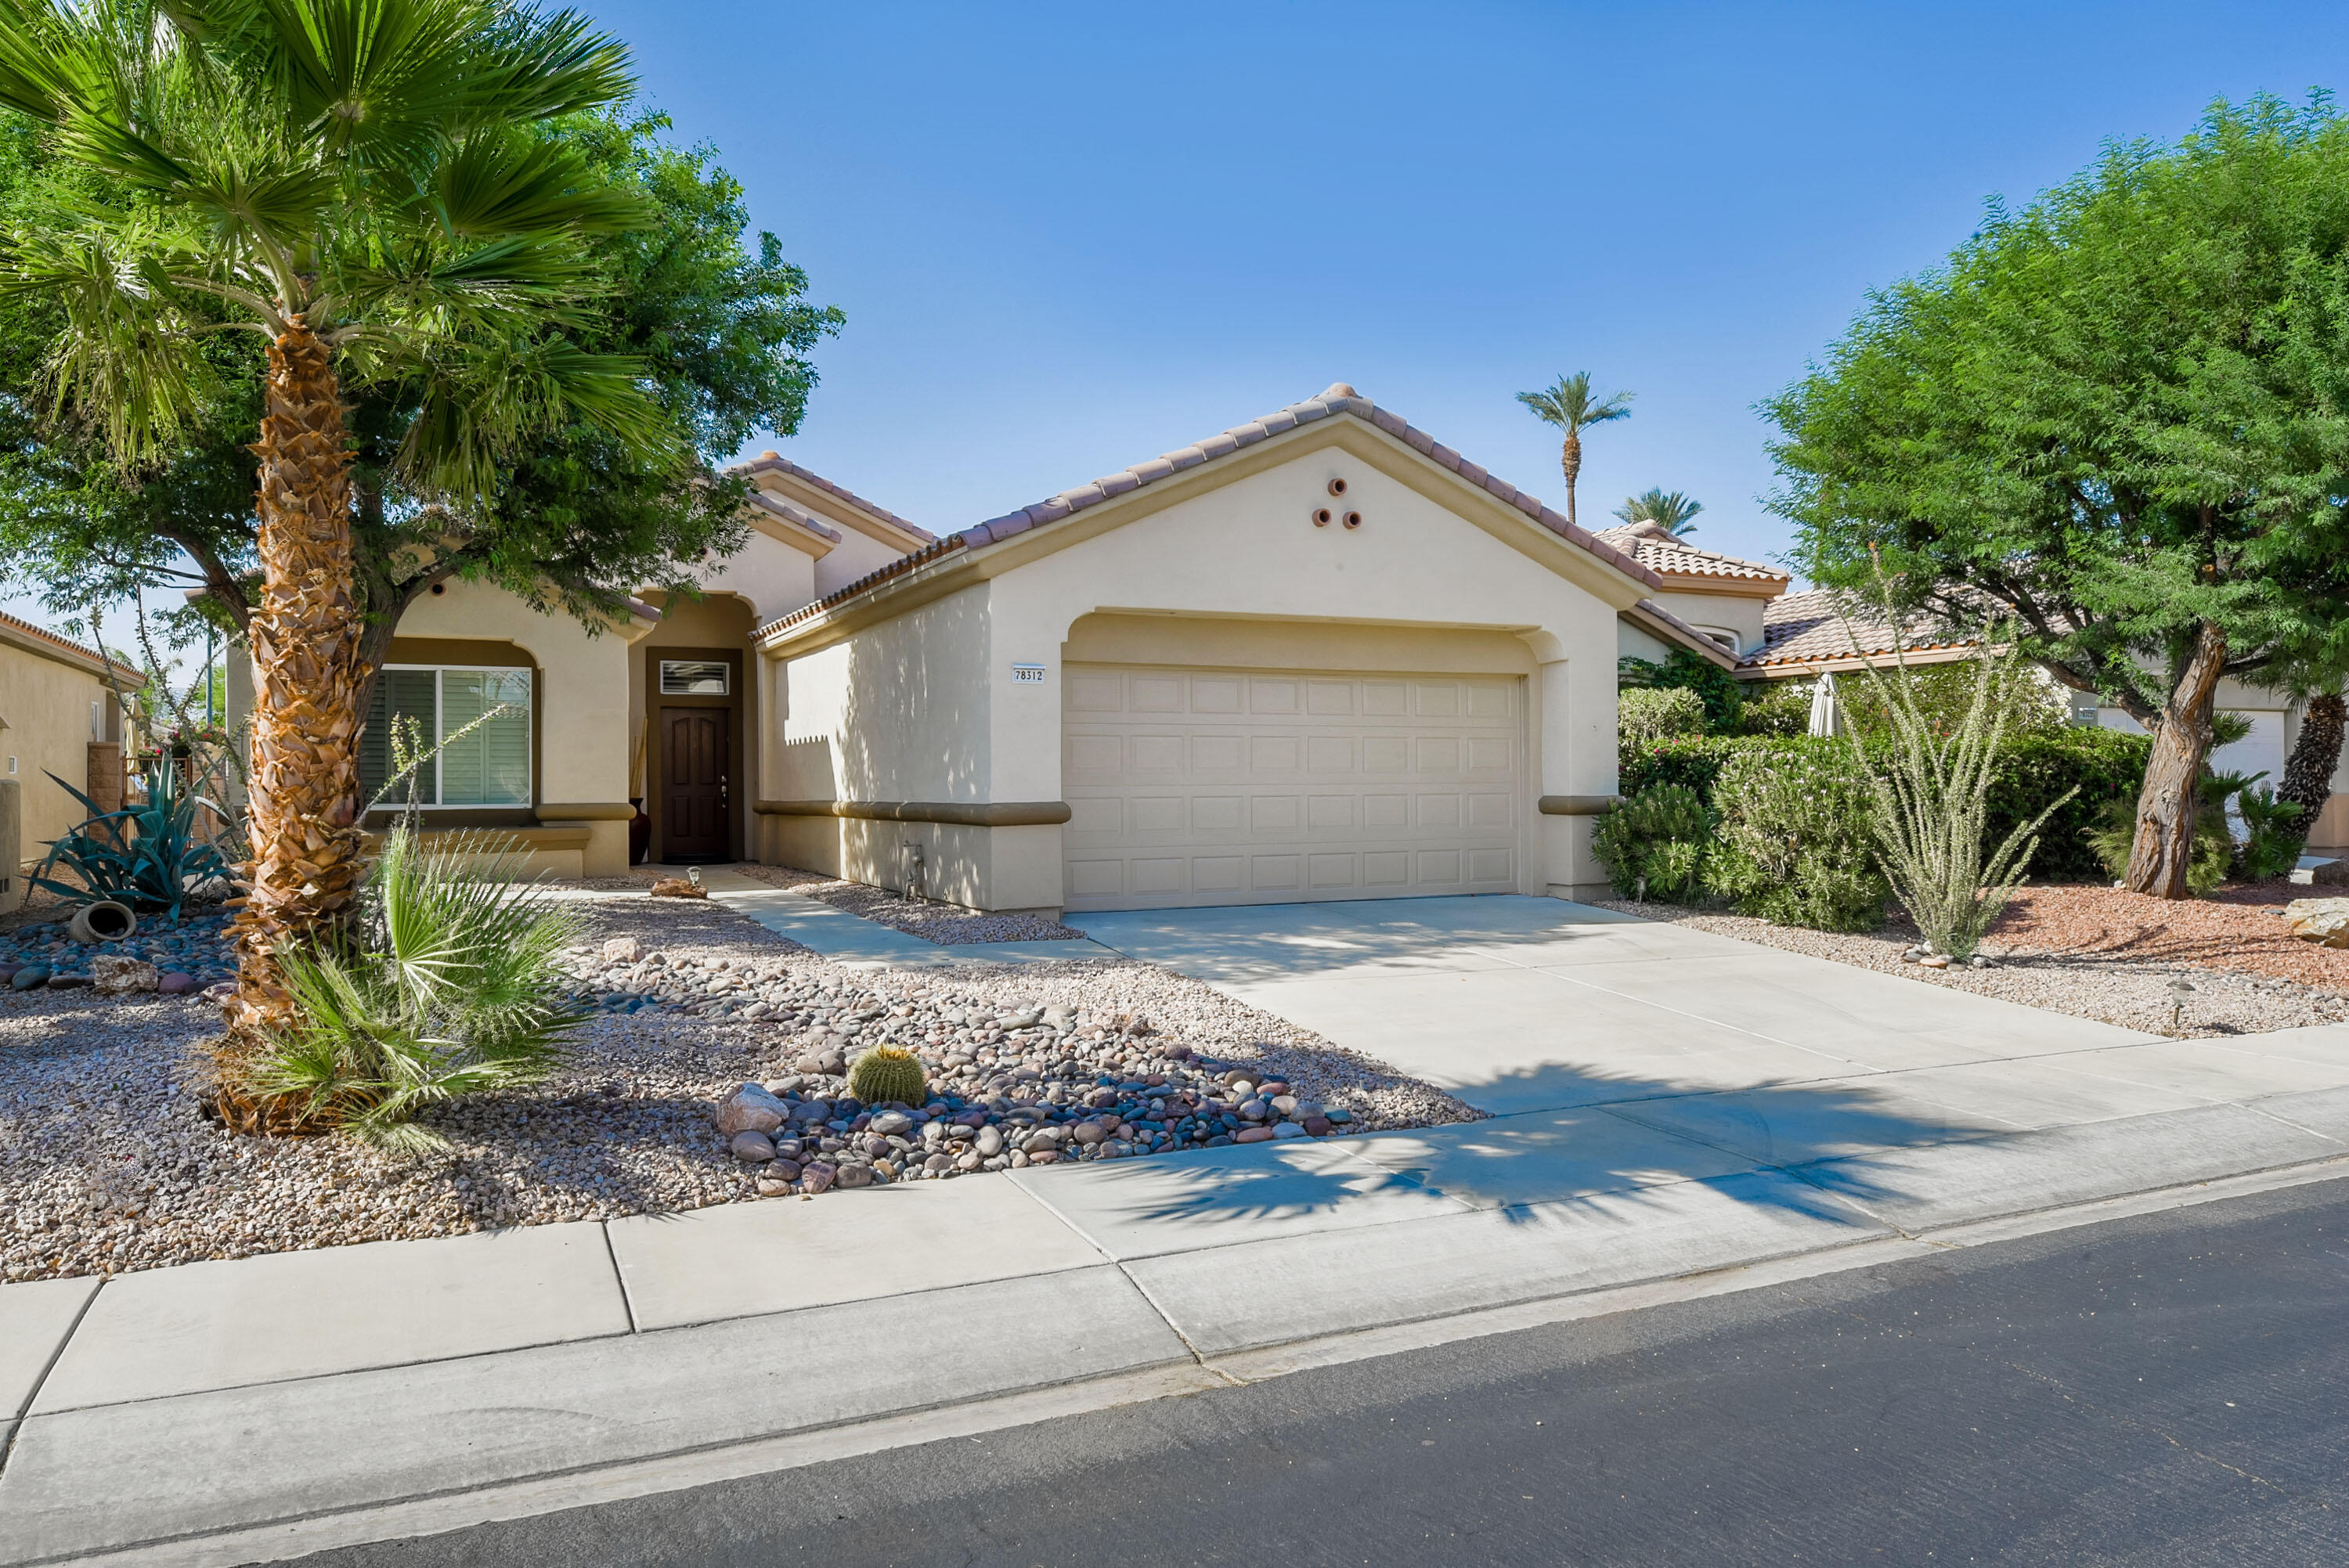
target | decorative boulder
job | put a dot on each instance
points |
(2320, 920)
(623, 950)
(678, 887)
(29, 976)
(751, 1110)
(176, 984)
(116, 975)
(2331, 873)
(752, 1148)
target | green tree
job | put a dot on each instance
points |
(721, 330)
(1676, 511)
(2117, 418)
(1567, 405)
(371, 188)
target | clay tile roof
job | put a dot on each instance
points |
(1340, 398)
(793, 514)
(43, 634)
(772, 463)
(1809, 628)
(1654, 548)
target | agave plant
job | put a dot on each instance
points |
(151, 857)
(450, 985)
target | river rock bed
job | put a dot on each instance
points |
(194, 948)
(108, 1165)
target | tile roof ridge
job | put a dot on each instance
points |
(94, 656)
(793, 514)
(775, 462)
(1338, 398)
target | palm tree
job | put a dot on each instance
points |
(373, 188)
(1570, 405)
(1676, 511)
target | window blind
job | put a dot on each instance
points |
(488, 766)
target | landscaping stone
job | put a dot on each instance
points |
(178, 982)
(750, 1109)
(2329, 873)
(2323, 921)
(623, 950)
(115, 975)
(752, 1148)
(29, 976)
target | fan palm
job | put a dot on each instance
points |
(1570, 405)
(374, 188)
(1674, 510)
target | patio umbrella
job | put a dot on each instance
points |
(1827, 714)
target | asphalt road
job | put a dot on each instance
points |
(2171, 1389)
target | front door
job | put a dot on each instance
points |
(694, 796)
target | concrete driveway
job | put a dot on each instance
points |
(1533, 1004)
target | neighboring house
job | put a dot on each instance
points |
(1802, 635)
(1319, 656)
(54, 703)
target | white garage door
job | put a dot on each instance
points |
(1213, 787)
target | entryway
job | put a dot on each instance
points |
(695, 791)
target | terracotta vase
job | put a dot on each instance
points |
(640, 832)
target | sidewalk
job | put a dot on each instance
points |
(228, 1411)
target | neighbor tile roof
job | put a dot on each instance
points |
(1647, 543)
(43, 633)
(793, 514)
(1340, 398)
(774, 463)
(1810, 627)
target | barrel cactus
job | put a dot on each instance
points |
(887, 1074)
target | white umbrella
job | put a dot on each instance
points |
(1827, 713)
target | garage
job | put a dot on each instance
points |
(1202, 786)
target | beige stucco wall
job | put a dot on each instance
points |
(771, 573)
(1739, 614)
(45, 703)
(582, 696)
(865, 545)
(1418, 583)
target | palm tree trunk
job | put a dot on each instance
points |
(1569, 458)
(306, 633)
(2166, 807)
(2308, 773)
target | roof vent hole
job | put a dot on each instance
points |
(1322, 518)
(1354, 519)
(1337, 487)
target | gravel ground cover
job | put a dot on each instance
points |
(108, 1165)
(947, 925)
(2096, 953)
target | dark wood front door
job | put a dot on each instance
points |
(694, 795)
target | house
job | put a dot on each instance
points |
(1789, 636)
(1318, 655)
(58, 716)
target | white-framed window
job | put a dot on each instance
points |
(488, 765)
(695, 677)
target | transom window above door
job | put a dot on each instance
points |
(695, 677)
(479, 720)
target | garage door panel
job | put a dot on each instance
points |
(1201, 786)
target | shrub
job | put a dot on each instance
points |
(1931, 781)
(1943, 696)
(149, 857)
(1778, 708)
(887, 1074)
(1794, 842)
(2271, 843)
(1685, 670)
(451, 987)
(1657, 713)
(1653, 843)
(1692, 761)
(2036, 772)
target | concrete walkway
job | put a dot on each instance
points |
(1681, 1118)
(853, 940)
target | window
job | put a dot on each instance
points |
(693, 677)
(487, 765)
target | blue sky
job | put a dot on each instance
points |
(1070, 237)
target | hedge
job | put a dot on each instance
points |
(2033, 770)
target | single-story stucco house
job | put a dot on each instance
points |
(1318, 655)
(58, 716)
